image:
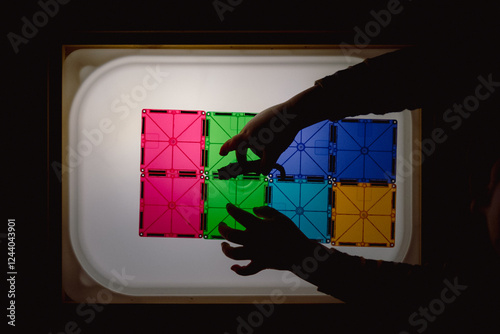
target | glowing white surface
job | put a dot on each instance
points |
(104, 185)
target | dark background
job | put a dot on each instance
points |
(32, 117)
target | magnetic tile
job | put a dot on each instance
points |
(306, 203)
(363, 214)
(310, 153)
(172, 140)
(171, 206)
(364, 150)
(220, 128)
(245, 192)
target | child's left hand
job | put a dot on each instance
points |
(272, 241)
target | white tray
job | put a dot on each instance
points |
(101, 186)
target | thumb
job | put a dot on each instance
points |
(250, 269)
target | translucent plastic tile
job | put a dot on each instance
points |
(171, 206)
(363, 214)
(172, 140)
(220, 128)
(364, 150)
(246, 192)
(307, 204)
(310, 154)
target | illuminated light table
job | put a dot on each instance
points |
(106, 90)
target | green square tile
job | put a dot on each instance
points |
(220, 128)
(244, 192)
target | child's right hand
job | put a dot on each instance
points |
(268, 134)
(271, 131)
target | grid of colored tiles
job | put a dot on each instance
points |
(335, 174)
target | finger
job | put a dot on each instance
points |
(243, 217)
(235, 253)
(241, 154)
(232, 144)
(266, 212)
(250, 269)
(257, 151)
(233, 235)
(267, 162)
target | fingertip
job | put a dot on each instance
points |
(264, 211)
(228, 146)
(250, 269)
(222, 228)
(257, 210)
(239, 270)
(224, 246)
(223, 150)
(260, 208)
(231, 209)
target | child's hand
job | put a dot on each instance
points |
(268, 134)
(270, 242)
(271, 131)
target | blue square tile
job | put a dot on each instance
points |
(309, 154)
(364, 150)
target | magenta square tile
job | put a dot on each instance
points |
(171, 206)
(172, 140)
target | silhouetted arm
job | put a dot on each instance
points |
(272, 241)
